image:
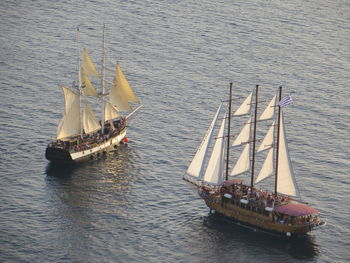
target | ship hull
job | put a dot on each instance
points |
(60, 155)
(240, 213)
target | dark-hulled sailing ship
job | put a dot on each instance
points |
(80, 136)
(280, 211)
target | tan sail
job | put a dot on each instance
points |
(70, 123)
(121, 92)
(87, 88)
(110, 112)
(88, 66)
(90, 123)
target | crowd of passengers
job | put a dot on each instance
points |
(88, 141)
(261, 200)
(258, 198)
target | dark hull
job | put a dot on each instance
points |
(58, 155)
(61, 155)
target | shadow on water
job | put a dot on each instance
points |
(301, 248)
(62, 170)
(88, 197)
(101, 180)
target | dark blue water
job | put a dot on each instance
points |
(179, 57)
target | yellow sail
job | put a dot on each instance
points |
(86, 86)
(88, 65)
(121, 92)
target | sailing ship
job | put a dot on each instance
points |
(80, 136)
(280, 211)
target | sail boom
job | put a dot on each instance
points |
(132, 114)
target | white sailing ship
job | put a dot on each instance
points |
(79, 135)
(279, 211)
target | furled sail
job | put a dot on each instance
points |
(267, 143)
(243, 163)
(214, 172)
(267, 168)
(244, 135)
(121, 92)
(88, 66)
(286, 183)
(110, 112)
(195, 169)
(269, 111)
(70, 123)
(245, 106)
(87, 88)
(90, 124)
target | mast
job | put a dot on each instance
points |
(278, 138)
(228, 131)
(103, 79)
(79, 73)
(254, 138)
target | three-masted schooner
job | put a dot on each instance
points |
(276, 212)
(79, 135)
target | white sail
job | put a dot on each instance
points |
(243, 163)
(195, 169)
(70, 123)
(110, 112)
(90, 124)
(244, 135)
(267, 143)
(121, 92)
(214, 172)
(286, 183)
(69, 98)
(267, 168)
(245, 106)
(269, 111)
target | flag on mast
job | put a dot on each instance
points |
(285, 101)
